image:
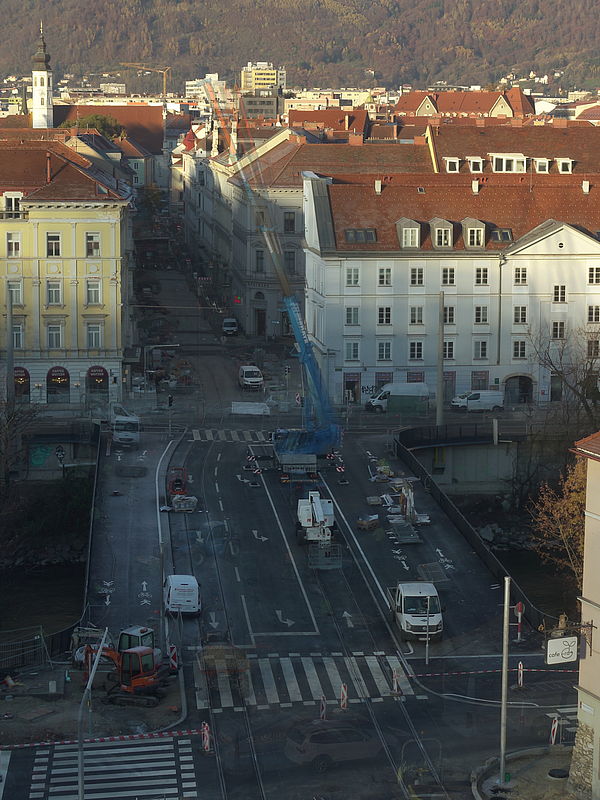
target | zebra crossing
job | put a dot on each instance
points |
(229, 435)
(149, 768)
(285, 681)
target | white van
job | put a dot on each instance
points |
(230, 326)
(181, 594)
(483, 400)
(124, 426)
(416, 608)
(250, 377)
(398, 397)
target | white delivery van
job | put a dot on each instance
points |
(483, 400)
(230, 326)
(181, 594)
(407, 397)
(415, 607)
(124, 426)
(250, 377)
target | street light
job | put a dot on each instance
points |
(147, 349)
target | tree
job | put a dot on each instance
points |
(107, 126)
(559, 521)
(14, 420)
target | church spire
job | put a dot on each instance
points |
(41, 59)
(41, 75)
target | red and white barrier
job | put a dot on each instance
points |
(173, 658)
(323, 709)
(520, 674)
(205, 737)
(554, 730)
(344, 696)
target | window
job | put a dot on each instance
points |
(448, 315)
(558, 330)
(452, 164)
(52, 244)
(416, 276)
(519, 349)
(443, 237)
(92, 292)
(54, 337)
(542, 164)
(593, 314)
(416, 315)
(410, 237)
(448, 349)
(560, 294)
(384, 315)
(12, 207)
(289, 222)
(447, 276)
(53, 293)
(136, 180)
(593, 274)
(384, 351)
(565, 165)
(520, 276)
(92, 245)
(384, 276)
(352, 351)
(481, 315)
(509, 163)
(259, 260)
(13, 245)
(480, 349)
(289, 261)
(481, 276)
(415, 350)
(17, 333)
(351, 315)
(352, 276)
(475, 164)
(94, 336)
(520, 315)
(201, 179)
(259, 219)
(475, 237)
(593, 348)
(501, 235)
(15, 290)
(358, 235)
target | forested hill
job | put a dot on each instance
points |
(321, 42)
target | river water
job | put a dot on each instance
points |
(50, 596)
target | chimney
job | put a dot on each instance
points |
(233, 141)
(585, 187)
(475, 186)
(355, 139)
(480, 122)
(48, 169)
(378, 186)
(215, 139)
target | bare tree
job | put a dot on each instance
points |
(559, 521)
(14, 421)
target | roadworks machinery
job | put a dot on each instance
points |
(315, 519)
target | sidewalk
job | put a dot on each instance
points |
(536, 774)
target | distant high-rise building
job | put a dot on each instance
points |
(262, 75)
(41, 108)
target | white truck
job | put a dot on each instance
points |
(124, 426)
(315, 519)
(416, 610)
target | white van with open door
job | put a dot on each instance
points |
(181, 594)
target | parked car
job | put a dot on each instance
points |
(323, 743)
(230, 326)
(482, 400)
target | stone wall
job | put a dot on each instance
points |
(580, 776)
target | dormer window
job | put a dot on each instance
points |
(565, 165)
(359, 235)
(441, 232)
(452, 164)
(473, 232)
(501, 235)
(542, 165)
(509, 162)
(475, 163)
(409, 233)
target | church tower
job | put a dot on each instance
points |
(42, 115)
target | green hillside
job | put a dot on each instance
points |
(321, 42)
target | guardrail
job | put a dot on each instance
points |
(462, 433)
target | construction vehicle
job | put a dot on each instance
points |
(219, 658)
(138, 679)
(415, 608)
(133, 636)
(315, 519)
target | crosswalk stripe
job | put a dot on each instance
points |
(260, 436)
(161, 793)
(403, 682)
(209, 435)
(268, 680)
(290, 680)
(224, 685)
(195, 434)
(357, 678)
(378, 676)
(234, 436)
(221, 437)
(248, 436)
(333, 675)
(250, 696)
(312, 678)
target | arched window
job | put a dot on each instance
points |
(259, 296)
(42, 81)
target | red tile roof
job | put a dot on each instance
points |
(354, 120)
(503, 204)
(465, 103)
(589, 447)
(142, 122)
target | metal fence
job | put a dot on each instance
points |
(31, 647)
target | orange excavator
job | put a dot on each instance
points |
(138, 678)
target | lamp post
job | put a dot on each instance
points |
(147, 349)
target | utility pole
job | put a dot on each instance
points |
(87, 696)
(504, 701)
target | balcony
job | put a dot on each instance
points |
(13, 215)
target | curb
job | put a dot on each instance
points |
(123, 738)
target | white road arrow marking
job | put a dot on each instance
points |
(259, 538)
(144, 602)
(199, 538)
(348, 618)
(439, 552)
(213, 622)
(144, 586)
(283, 621)
(108, 583)
(107, 600)
(242, 480)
